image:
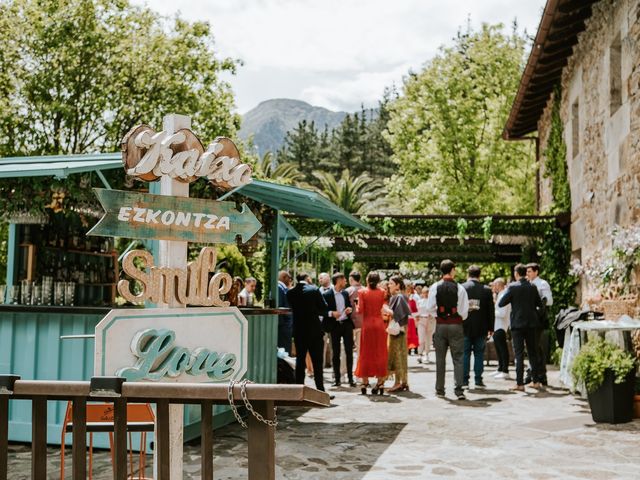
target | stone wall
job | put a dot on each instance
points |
(600, 111)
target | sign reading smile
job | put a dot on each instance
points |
(178, 345)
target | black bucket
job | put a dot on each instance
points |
(613, 402)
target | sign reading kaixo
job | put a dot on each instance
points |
(143, 215)
(149, 155)
(160, 344)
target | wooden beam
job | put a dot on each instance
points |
(262, 444)
(39, 438)
(79, 447)
(120, 438)
(206, 440)
(4, 436)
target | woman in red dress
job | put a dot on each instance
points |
(372, 361)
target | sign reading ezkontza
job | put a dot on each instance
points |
(142, 215)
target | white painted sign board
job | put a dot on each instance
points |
(186, 345)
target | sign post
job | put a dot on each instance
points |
(173, 254)
(173, 343)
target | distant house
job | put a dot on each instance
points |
(589, 52)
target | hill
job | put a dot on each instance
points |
(269, 122)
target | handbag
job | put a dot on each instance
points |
(394, 328)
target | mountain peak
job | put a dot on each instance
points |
(271, 119)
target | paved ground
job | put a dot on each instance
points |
(494, 434)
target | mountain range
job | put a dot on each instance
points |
(269, 122)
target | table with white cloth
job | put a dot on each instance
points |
(618, 332)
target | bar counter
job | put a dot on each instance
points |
(31, 346)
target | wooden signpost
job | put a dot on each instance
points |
(172, 343)
(202, 345)
(142, 215)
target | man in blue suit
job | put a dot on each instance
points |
(285, 322)
(338, 323)
(308, 307)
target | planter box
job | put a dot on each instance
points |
(612, 402)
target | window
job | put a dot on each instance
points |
(615, 75)
(575, 128)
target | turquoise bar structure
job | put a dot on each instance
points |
(30, 346)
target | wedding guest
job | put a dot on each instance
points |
(341, 330)
(525, 300)
(477, 325)
(426, 327)
(307, 306)
(247, 296)
(354, 287)
(544, 289)
(412, 332)
(501, 326)
(372, 361)
(398, 341)
(234, 292)
(285, 321)
(448, 302)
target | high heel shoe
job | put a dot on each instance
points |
(396, 388)
(381, 390)
(363, 389)
(405, 387)
(374, 390)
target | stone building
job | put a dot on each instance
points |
(588, 53)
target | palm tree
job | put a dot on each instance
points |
(356, 195)
(286, 173)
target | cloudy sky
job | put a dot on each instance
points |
(336, 53)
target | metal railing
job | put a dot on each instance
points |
(261, 429)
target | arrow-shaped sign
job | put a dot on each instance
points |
(158, 217)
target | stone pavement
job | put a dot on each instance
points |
(414, 435)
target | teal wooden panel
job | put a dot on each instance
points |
(30, 346)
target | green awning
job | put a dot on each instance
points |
(58, 166)
(299, 201)
(287, 232)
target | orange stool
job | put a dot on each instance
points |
(140, 418)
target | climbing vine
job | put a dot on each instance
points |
(555, 167)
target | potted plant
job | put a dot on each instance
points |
(608, 373)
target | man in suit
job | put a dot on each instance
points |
(339, 324)
(478, 324)
(544, 289)
(307, 307)
(285, 324)
(525, 302)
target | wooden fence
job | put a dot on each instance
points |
(261, 439)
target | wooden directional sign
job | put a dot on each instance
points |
(158, 217)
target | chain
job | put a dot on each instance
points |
(247, 404)
(234, 409)
(260, 418)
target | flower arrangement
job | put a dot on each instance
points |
(612, 272)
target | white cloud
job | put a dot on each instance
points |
(336, 53)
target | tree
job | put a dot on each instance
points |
(269, 168)
(77, 74)
(301, 145)
(445, 129)
(353, 194)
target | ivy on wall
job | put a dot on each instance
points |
(555, 165)
(450, 227)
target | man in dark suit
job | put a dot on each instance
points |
(307, 307)
(525, 302)
(339, 324)
(477, 325)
